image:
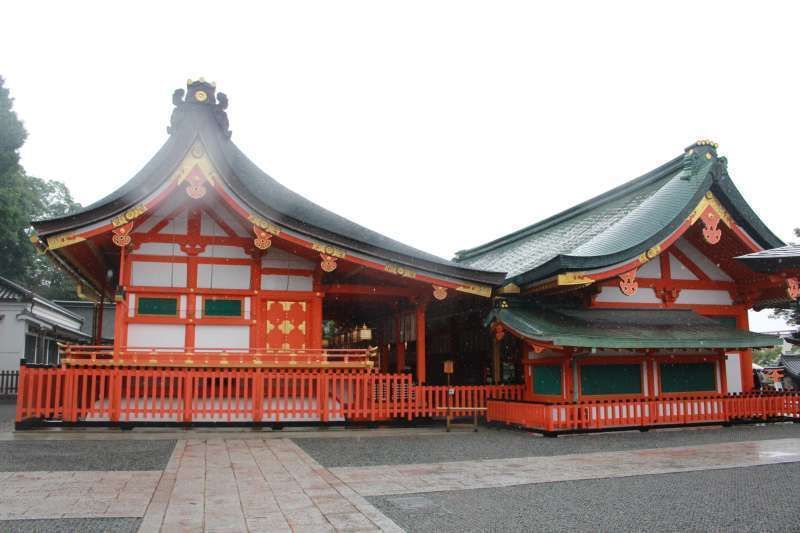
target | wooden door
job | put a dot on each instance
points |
(287, 325)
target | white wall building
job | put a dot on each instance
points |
(31, 327)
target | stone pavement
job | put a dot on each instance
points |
(270, 484)
(432, 477)
(70, 494)
(255, 485)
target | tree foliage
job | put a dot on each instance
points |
(24, 198)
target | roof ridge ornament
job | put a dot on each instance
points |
(199, 94)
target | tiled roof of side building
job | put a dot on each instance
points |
(774, 259)
(619, 224)
(625, 328)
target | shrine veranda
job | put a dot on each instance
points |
(239, 301)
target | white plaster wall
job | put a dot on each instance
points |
(613, 294)
(704, 297)
(223, 276)
(156, 335)
(733, 372)
(277, 258)
(227, 337)
(209, 228)
(12, 335)
(229, 252)
(677, 270)
(177, 226)
(651, 269)
(160, 248)
(56, 317)
(277, 282)
(708, 266)
(147, 274)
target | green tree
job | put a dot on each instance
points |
(24, 198)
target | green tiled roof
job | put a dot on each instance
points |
(773, 260)
(619, 224)
(626, 328)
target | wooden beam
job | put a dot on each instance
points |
(367, 290)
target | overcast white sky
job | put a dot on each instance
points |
(441, 124)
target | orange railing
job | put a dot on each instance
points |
(74, 354)
(431, 400)
(602, 414)
(86, 393)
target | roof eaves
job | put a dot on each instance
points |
(577, 210)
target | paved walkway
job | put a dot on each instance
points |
(235, 484)
(255, 485)
(416, 478)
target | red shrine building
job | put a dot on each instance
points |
(238, 300)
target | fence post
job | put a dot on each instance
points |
(21, 392)
(322, 394)
(186, 376)
(258, 395)
(114, 394)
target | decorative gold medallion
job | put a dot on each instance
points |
(439, 292)
(328, 263)
(200, 96)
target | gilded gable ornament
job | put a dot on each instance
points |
(122, 235)
(328, 263)
(711, 233)
(262, 240)
(439, 292)
(793, 288)
(627, 283)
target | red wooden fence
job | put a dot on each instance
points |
(601, 414)
(89, 393)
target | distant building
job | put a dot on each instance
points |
(31, 327)
(89, 312)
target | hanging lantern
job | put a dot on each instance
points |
(365, 333)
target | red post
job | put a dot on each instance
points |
(187, 396)
(400, 343)
(745, 356)
(421, 343)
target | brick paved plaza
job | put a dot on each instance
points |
(419, 479)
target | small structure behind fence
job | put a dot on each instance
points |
(8, 383)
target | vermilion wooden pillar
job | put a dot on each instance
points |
(400, 344)
(745, 356)
(497, 377)
(421, 343)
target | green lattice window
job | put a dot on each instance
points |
(157, 306)
(547, 380)
(688, 377)
(611, 379)
(222, 307)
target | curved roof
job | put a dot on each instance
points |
(206, 120)
(620, 224)
(625, 328)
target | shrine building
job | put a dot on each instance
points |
(238, 300)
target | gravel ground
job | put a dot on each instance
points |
(71, 525)
(739, 499)
(504, 443)
(28, 455)
(7, 411)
